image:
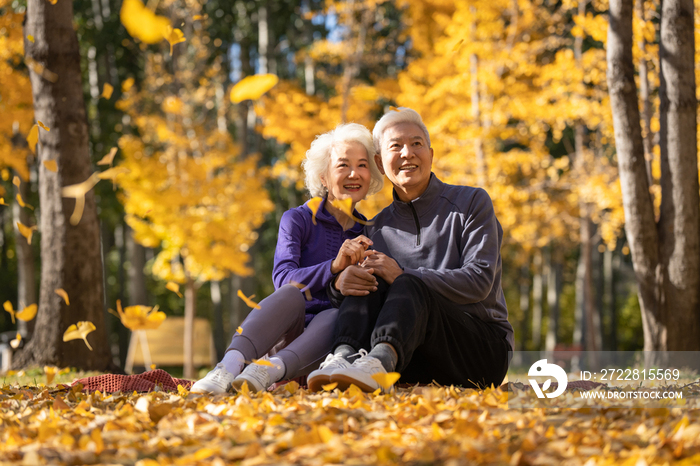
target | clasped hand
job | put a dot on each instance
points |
(360, 280)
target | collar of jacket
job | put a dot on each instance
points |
(324, 216)
(421, 204)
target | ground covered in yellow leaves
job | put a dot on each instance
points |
(420, 425)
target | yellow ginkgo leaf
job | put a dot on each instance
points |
(2, 201)
(174, 287)
(458, 45)
(33, 138)
(50, 372)
(16, 181)
(128, 84)
(173, 36)
(345, 206)
(139, 317)
(43, 125)
(253, 87)
(113, 173)
(50, 165)
(15, 343)
(153, 367)
(53, 2)
(28, 313)
(248, 300)
(239, 330)
(30, 38)
(330, 386)
(313, 204)
(107, 90)
(62, 293)
(7, 305)
(394, 109)
(21, 202)
(142, 23)
(78, 192)
(301, 286)
(197, 17)
(387, 379)
(79, 330)
(109, 158)
(292, 387)
(262, 362)
(26, 231)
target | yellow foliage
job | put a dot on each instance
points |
(142, 23)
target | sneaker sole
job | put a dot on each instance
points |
(345, 381)
(316, 384)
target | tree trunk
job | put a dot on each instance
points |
(26, 285)
(553, 293)
(648, 136)
(188, 343)
(666, 260)
(537, 285)
(679, 223)
(70, 255)
(220, 343)
(524, 304)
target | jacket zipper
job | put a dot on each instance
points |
(415, 217)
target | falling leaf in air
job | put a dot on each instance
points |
(107, 90)
(345, 206)
(142, 23)
(53, 2)
(7, 305)
(30, 38)
(50, 372)
(458, 45)
(153, 367)
(173, 36)
(16, 181)
(51, 165)
(174, 287)
(26, 231)
(41, 70)
(314, 203)
(62, 293)
(2, 201)
(253, 87)
(21, 202)
(197, 17)
(239, 330)
(387, 379)
(139, 317)
(248, 300)
(109, 158)
(78, 192)
(15, 343)
(394, 109)
(330, 386)
(38, 122)
(79, 330)
(27, 314)
(301, 286)
(262, 362)
(112, 174)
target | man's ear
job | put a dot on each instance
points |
(378, 161)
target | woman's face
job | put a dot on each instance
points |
(348, 172)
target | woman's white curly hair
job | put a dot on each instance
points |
(318, 157)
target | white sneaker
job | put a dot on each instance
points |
(256, 375)
(322, 376)
(217, 381)
(359, 373)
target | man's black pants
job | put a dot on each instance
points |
(434, 341)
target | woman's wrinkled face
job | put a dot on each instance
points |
(348, 172)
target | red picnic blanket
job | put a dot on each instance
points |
(145, 382)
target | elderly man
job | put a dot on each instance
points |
(427, 302)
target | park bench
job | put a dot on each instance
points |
(164, 345)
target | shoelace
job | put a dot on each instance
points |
(219, 373)
(336, 357)
(368, 363)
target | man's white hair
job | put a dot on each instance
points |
(394, 117)
(318, 157)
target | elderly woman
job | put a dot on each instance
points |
(312, 248)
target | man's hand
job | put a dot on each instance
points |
(383, 266)
(356, 281)
(351, 252)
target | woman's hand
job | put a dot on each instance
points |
(351, 252)
(383, 266)
(356, 281)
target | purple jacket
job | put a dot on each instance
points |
(305, 251)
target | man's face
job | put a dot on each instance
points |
(406, 159)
